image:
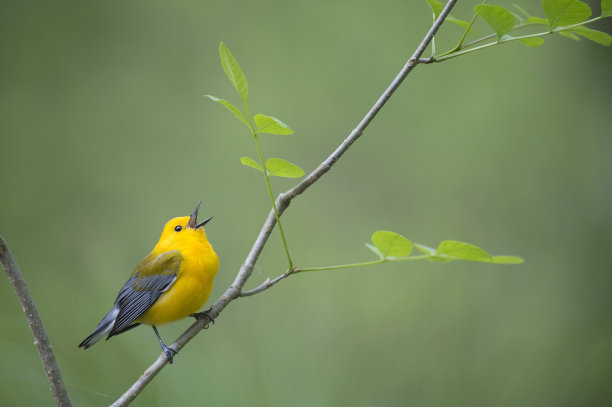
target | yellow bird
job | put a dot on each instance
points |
(170, 283)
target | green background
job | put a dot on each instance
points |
(105, 135)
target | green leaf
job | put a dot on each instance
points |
(430, 251)
(271, 125)
(462, 251)
(235, 111)
(461, 23)
(391, 244)
(563, 13)
(280, 168)
(234, 72)
(249, 162)
(606, 8)
(453, 250)
(439, 259)
(532, 41)
(538, 21)
(507, 260)
(533, 19)
(500, 19)
(569, 35)
(599, 37)
(436, 7)
(375, 250)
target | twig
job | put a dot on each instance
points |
(268, 283)
(36, 326)
(282, 202)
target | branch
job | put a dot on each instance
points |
(268, 283)
(282, 202)
(463, 49)
(36, 326)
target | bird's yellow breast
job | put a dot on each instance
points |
(188, 293)
(194, 279)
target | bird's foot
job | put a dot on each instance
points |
(169, 353)
(204, 315)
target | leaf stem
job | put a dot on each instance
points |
(488, 37)
(466, 32)
(265, 172)
(251, 122)
(433, 40)
(366, 263)
(280, 226)
(467, 51)
(453, 53)
(589, 21)
(462, 49)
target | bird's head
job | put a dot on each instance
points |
(181, 232)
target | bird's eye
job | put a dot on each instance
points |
(178, 228)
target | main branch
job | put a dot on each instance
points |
(36, 326)
(282, 202)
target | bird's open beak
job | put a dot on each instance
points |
(193, 219)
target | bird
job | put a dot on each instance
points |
(170, 283)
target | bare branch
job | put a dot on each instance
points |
(267, 284)
(282, 202)
(36, 326)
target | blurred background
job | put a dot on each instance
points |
(105, 135)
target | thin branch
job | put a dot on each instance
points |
(268, 283)
(276, 214)
(491, 44)
(482, 39)
(469, 47)
(36, 326)
(469, 27)
(282, 202)
(363, 264)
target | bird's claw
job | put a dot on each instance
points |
(169, 353)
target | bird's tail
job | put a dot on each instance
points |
(103, 328)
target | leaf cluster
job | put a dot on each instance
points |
(393, 246)
(388, 246)
(258, 124)
(567, 18)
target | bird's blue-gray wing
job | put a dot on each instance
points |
(141, 291)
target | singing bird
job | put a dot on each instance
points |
(170, 283)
